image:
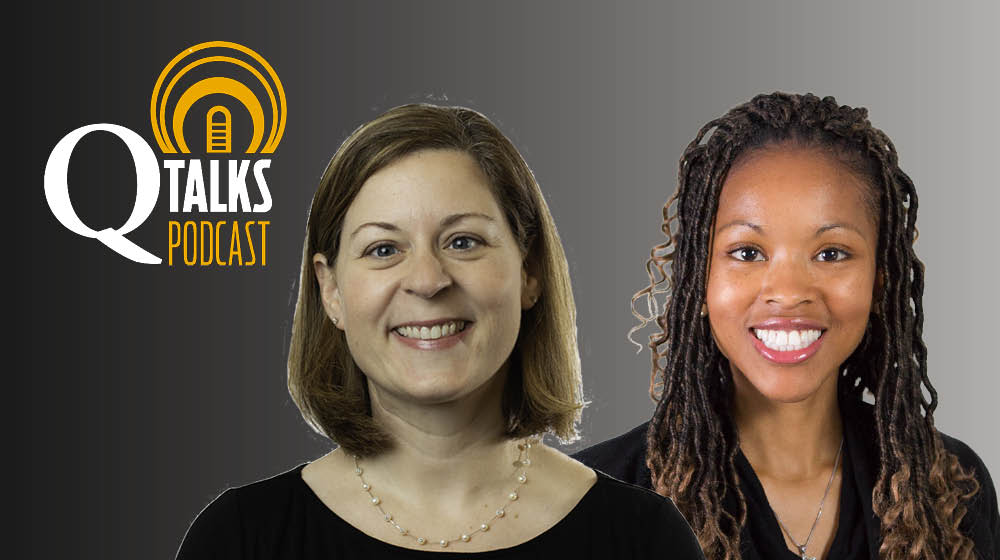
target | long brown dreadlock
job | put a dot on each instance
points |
(921, 490)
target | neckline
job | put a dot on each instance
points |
(537, 540)
(773, 530)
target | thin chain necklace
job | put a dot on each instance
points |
(802, 547)
(521, 464)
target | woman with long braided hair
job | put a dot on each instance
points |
(793, 291)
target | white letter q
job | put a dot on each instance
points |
(147, 181)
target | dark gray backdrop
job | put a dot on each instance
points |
(140, 392)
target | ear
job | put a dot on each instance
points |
(328, 290)
(530, 288)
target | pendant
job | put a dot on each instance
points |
(802, 552)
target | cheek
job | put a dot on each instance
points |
(363, 299)
(730, 293)
(851, 300)
(497, 287)
(494, 290)
(729, 296)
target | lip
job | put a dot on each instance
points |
(442, 343)
(789, 324)
(790, 356)
(430, 322)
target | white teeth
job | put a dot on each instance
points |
(785, 341)
(431, 333)
(794, 338)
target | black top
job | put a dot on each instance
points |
(764, 535)
(282, 518)
(858, 529)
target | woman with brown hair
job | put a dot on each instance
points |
(793, 290)
(434, 341)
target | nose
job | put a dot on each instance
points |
(426, 275)
(788, 284)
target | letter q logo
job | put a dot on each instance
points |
(147, 181)
(168, 127)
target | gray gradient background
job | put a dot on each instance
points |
(140, 392)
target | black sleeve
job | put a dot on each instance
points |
(988, 505)
(636, 523)
(623, 457)
(679, 542)
(986, 502)
(216, 532)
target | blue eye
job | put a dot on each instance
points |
(464, 243)
(747, 254)
(382, 251)
(832, 255)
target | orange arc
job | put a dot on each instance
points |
(166, 95)
(273, 139)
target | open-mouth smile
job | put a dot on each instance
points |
(785, 346)
(432, 335)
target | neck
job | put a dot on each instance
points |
(444, 452)
(788, 440)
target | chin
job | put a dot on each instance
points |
(784, 386)
(441, 389)
(431, 390)
(435, 395)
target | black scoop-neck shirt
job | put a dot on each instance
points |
(283, 518)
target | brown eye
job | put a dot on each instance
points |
(832, 255)
(747, 254)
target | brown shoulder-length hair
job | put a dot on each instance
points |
(921, 492)
(543, 390)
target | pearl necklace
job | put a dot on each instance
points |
(521, 461)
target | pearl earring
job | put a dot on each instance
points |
(704, 310)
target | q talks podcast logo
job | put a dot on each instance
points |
(212, 88)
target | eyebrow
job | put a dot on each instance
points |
(743, 223)
(820, 231)
(454, 218)
(447, 221)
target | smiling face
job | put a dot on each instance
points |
(429, 283)
(792, 271)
